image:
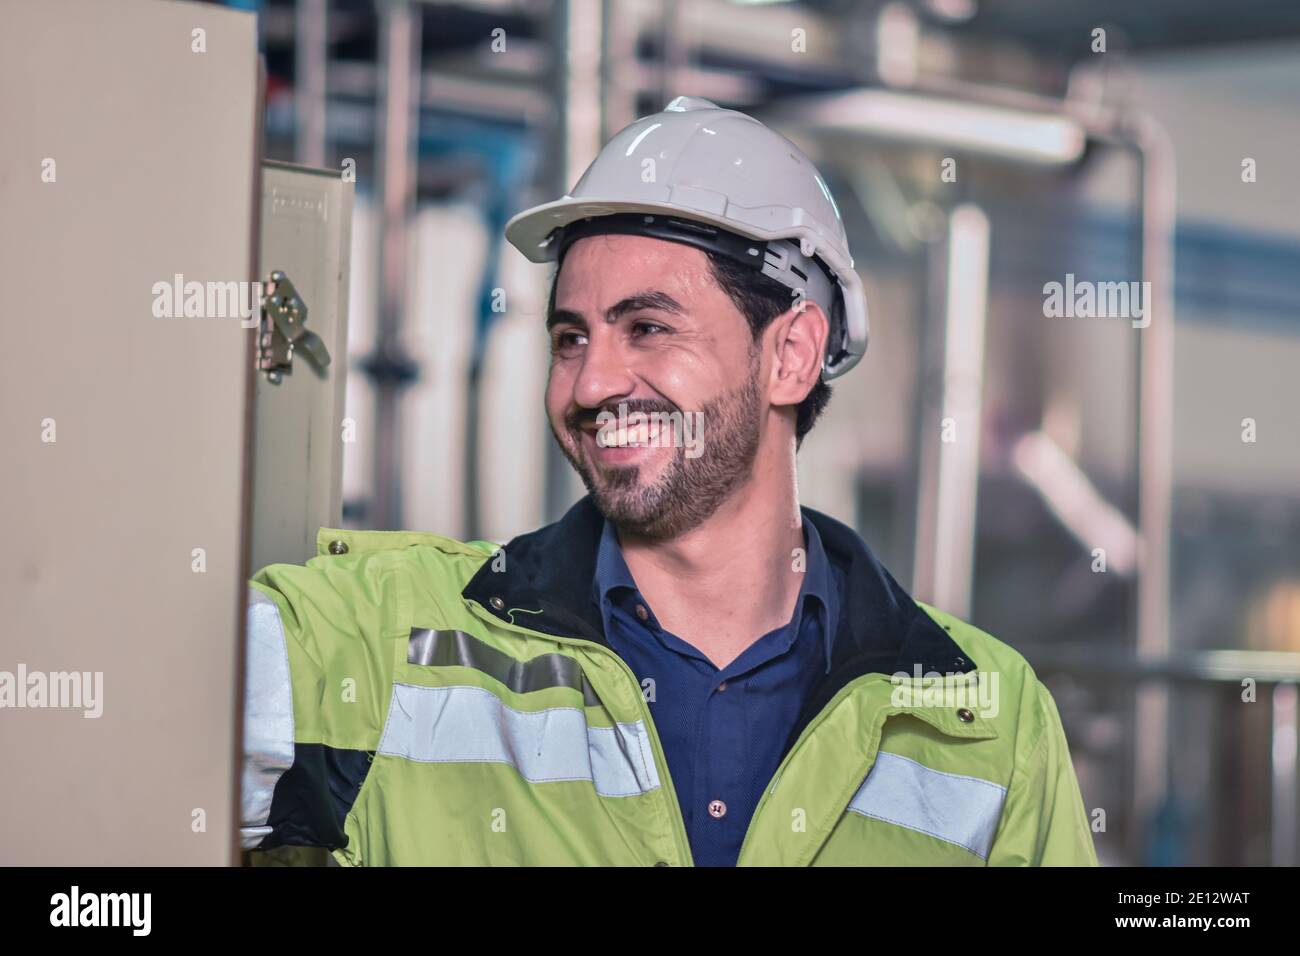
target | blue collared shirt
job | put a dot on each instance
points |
(723, 731)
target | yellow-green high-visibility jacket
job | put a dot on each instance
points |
(417, 700)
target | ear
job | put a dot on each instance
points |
(798, 344)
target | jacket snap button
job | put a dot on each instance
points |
(663, 863)
(497, 603)
(338, 547)
(965, 715)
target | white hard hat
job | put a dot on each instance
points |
(721, 180)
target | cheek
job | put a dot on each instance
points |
(559, 392)
(687, 380)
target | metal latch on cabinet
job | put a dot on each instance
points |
(284, 328)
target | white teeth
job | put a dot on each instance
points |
(644, 436)
(639, 436)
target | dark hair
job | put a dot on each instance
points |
(760, 299)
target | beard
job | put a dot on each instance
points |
(689, 490)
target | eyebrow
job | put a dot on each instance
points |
(641, 301)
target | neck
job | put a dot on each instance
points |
(728, 581)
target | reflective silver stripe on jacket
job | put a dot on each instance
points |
(268, 716)
(473, 725)
(955, 808)
(442, 648)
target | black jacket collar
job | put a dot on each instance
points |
(548, 572)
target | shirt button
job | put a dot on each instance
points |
(641, 612)
(722, 686)
(717, 809)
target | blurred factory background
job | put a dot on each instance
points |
(978, 150)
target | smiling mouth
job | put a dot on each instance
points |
(644, 435)
(616, 446)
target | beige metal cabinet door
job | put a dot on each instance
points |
(129, 135)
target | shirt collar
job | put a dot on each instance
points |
(548, 576)
(612, 573)
(611, 568)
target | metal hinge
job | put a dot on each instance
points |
(284, 320)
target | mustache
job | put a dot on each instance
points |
(582, 418)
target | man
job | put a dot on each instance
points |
(688, 667)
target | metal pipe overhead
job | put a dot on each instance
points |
(311, 55)
(389, 367)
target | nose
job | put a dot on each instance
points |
(604, 375)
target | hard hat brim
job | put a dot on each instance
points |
(532, 232)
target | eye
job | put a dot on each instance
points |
(647, 326)
(563, 341)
